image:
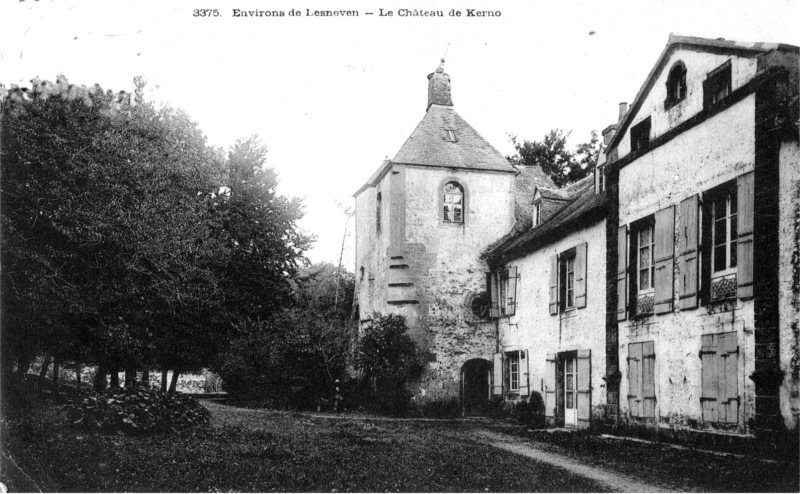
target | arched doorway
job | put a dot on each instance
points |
(476, 382)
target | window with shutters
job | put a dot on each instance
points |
(724, 208)
(502, 289)
(453, 203)
(512, 369)
(717, 85)
(645, 276)
(719, 354)
(568, 279)
(641, 379)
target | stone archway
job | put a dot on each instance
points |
(476, 382)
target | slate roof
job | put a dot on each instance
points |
(584, 208)
(526, 182)
(428, 144)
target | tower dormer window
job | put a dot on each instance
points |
(453, 195)
(451, 135)
(676, 85)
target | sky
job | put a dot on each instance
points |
(332, 97)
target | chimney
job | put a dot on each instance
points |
(609, 133)
(623, 110)
(439, 88)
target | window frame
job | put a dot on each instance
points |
(378, 212)
(601, 178)
(709, 276)
(443, 203)
(640, 134)
(450, 135)
(718, 80)
(513, 370)
(650, 268)
(676, 85)
(566, 260)
(537, 213)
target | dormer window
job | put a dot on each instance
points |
(676, 85)
(640, 134)
(451, 135)
(601, 178)
(453, 196)
(537, 213)
(717, 85)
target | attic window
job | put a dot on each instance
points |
(640, 134)
(451, 135)
(676, 85)
(717, 85)
(537, 213)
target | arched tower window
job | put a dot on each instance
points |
(676, 84)
(453, 195)
(378, 204)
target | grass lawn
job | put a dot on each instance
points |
(247, 450)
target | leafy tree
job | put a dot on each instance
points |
(388, 358)
(553, 156)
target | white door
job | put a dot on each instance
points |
(570, 395)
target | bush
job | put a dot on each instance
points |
(137, 411)
(212, 383)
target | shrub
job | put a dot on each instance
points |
(388, 358)
(213, 383)
(137, 411)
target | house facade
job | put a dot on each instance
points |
(703, 186)
(661, 291)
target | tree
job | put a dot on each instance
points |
(388, 358)
(552, 155)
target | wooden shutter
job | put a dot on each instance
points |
(580, 275)
(497, 377)
(648, 379)
(584, 388)
(687, 254)
(511, 292)
(744, 245)
(491, 287)
(710, 386)
(550, 386)
(728, 395)
(664, 251)
(524, 370)
(622, 271)
(553, 284)
(635, 379)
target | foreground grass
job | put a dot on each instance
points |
(248, 450)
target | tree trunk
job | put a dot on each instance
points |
(163, 380)
(56, 370)
(78, 368)
(115, 378)
(130, 376)
(146, 376)
(100, 379)
(43, 372)
(174, 384)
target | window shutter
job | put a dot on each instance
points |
(497, 389)
(553, 284)
(729, 379)
(584, 387)
(491, 287)
(622, 269)
(687, 252)
(511, 292)
(550, 386)
(744, 246)
(524, 369)
(580, 275)
(664, 258)
(709, 389)
(648, 379)
(635, 379)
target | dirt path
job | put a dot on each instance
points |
(615, 481)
